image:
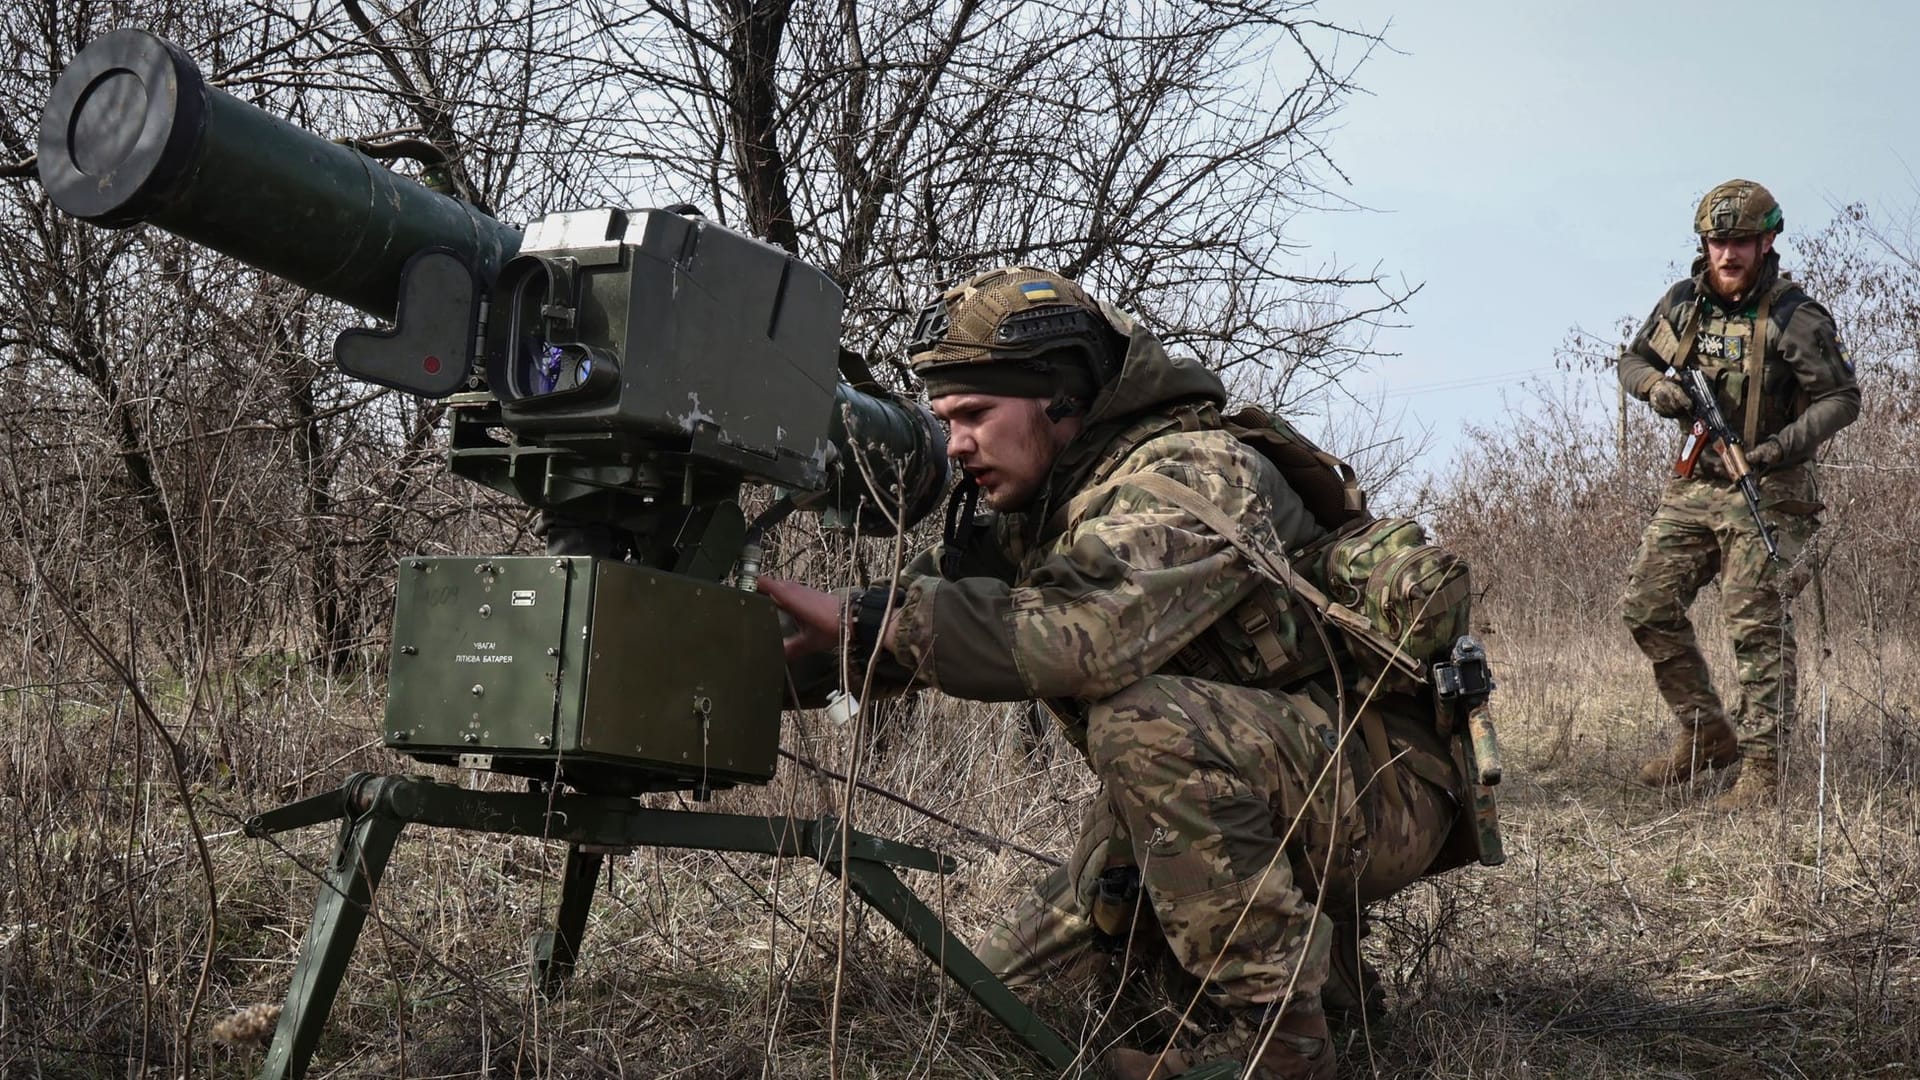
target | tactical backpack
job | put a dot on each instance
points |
(1402, 614)
(1415, 596)
(1414, 592)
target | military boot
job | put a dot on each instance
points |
(1758, 786)
(1711, 745)
(1353, 994)
(1300, 1049)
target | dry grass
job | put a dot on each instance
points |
(1630, 933)
(1634, 933)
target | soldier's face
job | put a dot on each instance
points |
(1734, 263)
(1007, 444)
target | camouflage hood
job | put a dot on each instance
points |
(1151, 384)
(1150, 380)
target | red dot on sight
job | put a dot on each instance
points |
(432, 364)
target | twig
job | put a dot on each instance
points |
(858, 751)
(1613, 867)
(1820, 809)
(311, 773)
(987, 838)
(177, 763)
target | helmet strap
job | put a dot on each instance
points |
(1064, 405)
(963, 528)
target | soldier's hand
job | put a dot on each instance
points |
(1765, 456)
(816, 615)
(1668, 399)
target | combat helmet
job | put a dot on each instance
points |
(1018, 331)
(1736, 209)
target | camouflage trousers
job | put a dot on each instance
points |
(1701, 529)
(1247, 832)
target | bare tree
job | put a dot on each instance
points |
(1157, 150)
(189, 481)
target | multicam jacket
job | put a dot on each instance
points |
(1080, 602)
(1805, 388)
(1087, 592)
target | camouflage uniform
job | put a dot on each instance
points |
(1801, 390)
(1230, 800)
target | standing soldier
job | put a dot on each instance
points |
(1785, 386)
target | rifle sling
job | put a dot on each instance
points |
(1689, 336)
(1757, 365)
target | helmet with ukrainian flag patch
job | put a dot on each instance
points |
(1018, 331)
(1736, 209)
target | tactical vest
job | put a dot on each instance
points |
(1740, 352)
(1266, 640)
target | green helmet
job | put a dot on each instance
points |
(1018, 331)
(1735, 209)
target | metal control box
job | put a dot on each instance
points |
(613, 677)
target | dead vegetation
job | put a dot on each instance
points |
(198, 522)
(1630, 933)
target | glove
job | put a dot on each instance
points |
(1668, 399)
(1764, 457)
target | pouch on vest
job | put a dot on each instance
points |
(1268, 640)
(1421, 598)
(1349, 561)
(1736, 387)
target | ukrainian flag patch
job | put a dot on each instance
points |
(1038, 290)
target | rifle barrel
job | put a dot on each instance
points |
(1752, 493)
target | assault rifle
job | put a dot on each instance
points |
(1710, 427)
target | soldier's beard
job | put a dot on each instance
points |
(1733, 285)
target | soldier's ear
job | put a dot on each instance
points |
(1766, 243)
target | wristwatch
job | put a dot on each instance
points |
(866, 618)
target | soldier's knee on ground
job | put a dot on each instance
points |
(1051, 927)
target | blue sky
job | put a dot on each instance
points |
(1537, 165)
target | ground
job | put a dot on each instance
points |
(1630, 933)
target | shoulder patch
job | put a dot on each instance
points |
(1830, 347)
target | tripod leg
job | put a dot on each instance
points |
(338, 915)
(886, 893)
(555, 950)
